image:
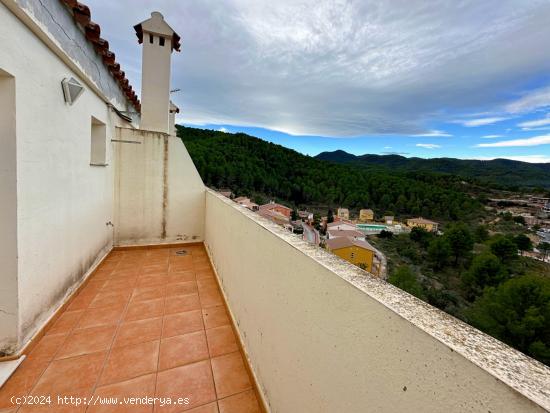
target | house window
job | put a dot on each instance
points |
(98, 153)
(352, 255)
(151, 38)
(161, 41)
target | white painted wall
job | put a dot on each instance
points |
(8, 215)
(323, 337)
(63, 203)
(159, 193)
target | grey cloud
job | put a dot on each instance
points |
(339, 68)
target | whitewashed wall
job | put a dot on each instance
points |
(63, 203)
(8, 215)
(159, 193)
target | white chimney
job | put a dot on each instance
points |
(158, 41)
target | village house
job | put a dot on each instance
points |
(247, 203)
(366, 215)
(337, 233)
(341, 226)
(428, 225)
(342, 213)
(356, 251)
(275, 207)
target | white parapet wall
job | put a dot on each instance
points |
(323, 336)
(159, 195)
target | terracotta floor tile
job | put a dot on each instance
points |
(149, 293)
(207, 282)
(22, 380)
(215, 316)
(207, 408)
(221, 340)
(94, 285)
(138, 332)
(66, 322)
(139, 387)
(245, 402)
(184, 288)
(86, 341)
(151, 268)
(31, 368)
(210, 297)
(182, 323)
(103, 316)
(70, 374)
(14, 388)
(204, 273)
(48, 346)
(152, 280)
(193, 381)
(230, 374)
(122, 283)
(109, 298)
(180, 350)
(81, 301)
(141, 310)
(179, 277)
(131, 361)
(181, 303)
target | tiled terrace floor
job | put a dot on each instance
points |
(148, 323)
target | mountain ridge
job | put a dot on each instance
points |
(499, 171)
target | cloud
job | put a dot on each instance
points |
(387, 147)
(520, 158)
(336, 67)
(492, 136)
(535, 141)
(538, 98)
(222, 129)
(433, 133)
(481, 121)
(535, 124)
(428, 145)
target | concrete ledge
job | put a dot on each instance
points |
(296, 306)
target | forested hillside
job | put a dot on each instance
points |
(249, 165)
(503, 173)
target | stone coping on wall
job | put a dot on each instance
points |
(521, 373)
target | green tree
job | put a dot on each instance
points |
(404, 278)
(523, 243)
(460, 239)
(544, 247)
(439, 252)
(330, 216)
(421, 236)
(519, 220)
(486, 270)
(518, 313)
(481, 234)
(504, 248)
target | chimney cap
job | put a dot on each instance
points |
(157, 25)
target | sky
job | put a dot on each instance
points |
(433, 78)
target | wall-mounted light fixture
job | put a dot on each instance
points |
(72, 89)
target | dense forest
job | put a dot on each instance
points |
(503, 173)
(476, 274)
(251, 166)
